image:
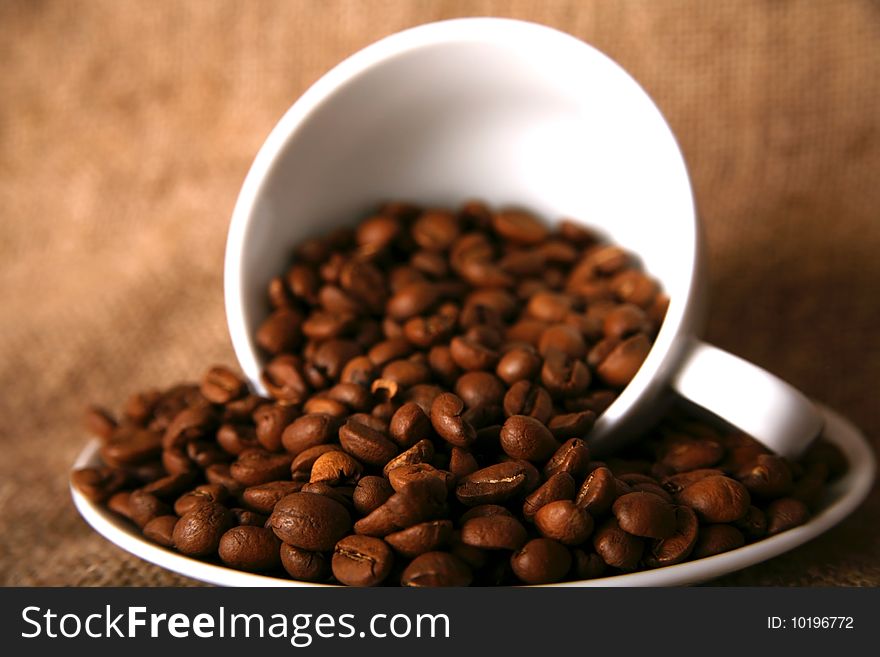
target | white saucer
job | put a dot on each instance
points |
(842, 498)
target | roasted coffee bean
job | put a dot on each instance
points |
(409, 425)
(118, 503)
(99, 422)
(302, 282)
(498, 532)
(141, 405)
(161, 529)
(366, 444)
(527, 398)
(549, 307)
(354, 397)
(533, 476)
(443, 365)
(633, 286)
(285, 379)
(587, 565)
(363, 281)
(308, 431)
(563, 338)
(471, 355)
(335, 468)
(519, 227)
(754, 524)
(263, 497)
(487, 302)
(625, 320)
(359, 370)
(620, 366)
(201, 454)
(200, 495)
(716, 499)
(678, 482)
(571, 425)
(370, 493)
(524, 437)
(362, 561)
(241, 409)
(687, 455)
(404, 475)
(421, 452)
(518, 364)
(170, 486)
(278, 294)
(382, 353)
(304, 565)
(527, 331)
(617, 548)
(436, 569)
(301, 467)
(785, 513)
(281, 331)
(377, 232)
(221, 385)
(677, 547)
(246, 518)
(715, 539)
(256, 466)
(435, 230)
(219, 474)
(250, 548)
(644, 514)
(406, 372)
(309, 521)
(562, 521)
(236, 438)
(483, 510)
(493, 484)
(541, 561)
(270, 421)
(462, 462)
(335, 300)
(421, 538)
(198, 532)
(341, 494)
(572, 457)
(131, 447)
(143, 507)
(97, 484)
(770, 478)
(559, 486)
(447, 420)
(480, 389)
(654, 489)
(564, 376)
(421, 500)
(413, 299)
(176, 460)
(148, 472)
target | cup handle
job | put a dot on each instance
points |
(750, 398)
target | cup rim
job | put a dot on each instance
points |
(682, 314)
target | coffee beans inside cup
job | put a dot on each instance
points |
(432, 377)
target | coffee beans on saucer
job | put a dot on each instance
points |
(432, 377)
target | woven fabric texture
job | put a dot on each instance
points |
(126, 130)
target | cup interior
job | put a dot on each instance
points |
(509, 112)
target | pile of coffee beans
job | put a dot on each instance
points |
(433, 375)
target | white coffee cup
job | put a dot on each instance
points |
(513, 113)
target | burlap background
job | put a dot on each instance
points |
(126, 129)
